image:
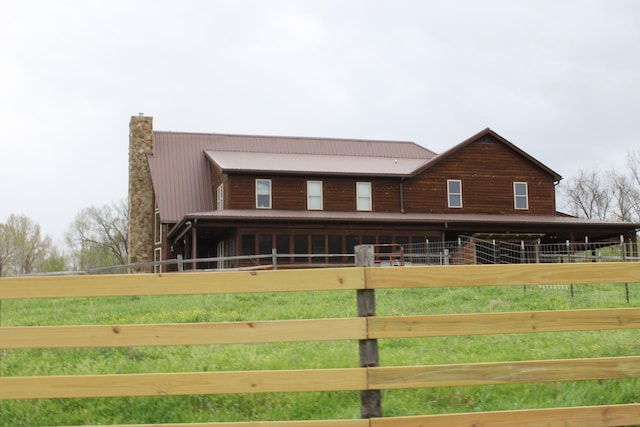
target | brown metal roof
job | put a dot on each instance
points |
(296, 145)
(398, 217)
(314, 164)
(180, 171)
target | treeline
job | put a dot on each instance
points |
(97, 237)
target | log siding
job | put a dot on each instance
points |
(486, 168)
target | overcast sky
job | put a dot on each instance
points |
(559, 79)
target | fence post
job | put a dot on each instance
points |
(180, 264)
(623, 258)
(427, 256)
(370, 400)
(496, 255)
(274, 258)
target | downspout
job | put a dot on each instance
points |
(402, 195)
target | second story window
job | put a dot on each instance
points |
(363, 196)
(220, 197)
(454, 193)
(520, 195)
(263, 193)
(314, 195)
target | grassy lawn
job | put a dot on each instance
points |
(329, 405)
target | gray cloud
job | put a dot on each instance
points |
(557, 78)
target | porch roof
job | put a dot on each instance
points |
(559, 224)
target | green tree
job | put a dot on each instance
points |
(6, 249)
(23, 249)
(55, 261)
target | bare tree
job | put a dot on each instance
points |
(625, 197)
(97, 237)
(588, 195)
(633, 165)
(613, 195)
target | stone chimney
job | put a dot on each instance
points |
(141, 202)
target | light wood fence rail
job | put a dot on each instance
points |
(367, 328)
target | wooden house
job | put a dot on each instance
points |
(206, 195)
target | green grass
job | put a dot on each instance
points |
(329, 405)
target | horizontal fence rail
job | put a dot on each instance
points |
(464, 251)
(367, 329)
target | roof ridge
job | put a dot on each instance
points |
(313, 138)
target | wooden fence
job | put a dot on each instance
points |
(369, 379)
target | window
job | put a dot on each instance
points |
(317, 247)
(283, 245)
(301, 247)
(263, 193)
(351, 243)
(520, 195)
(335, 248)
(157, 257)
(314, 195)
(248, 244)
(157, 228)
(402, 240)
(363, 195)
(220, 197)
(454, 193)
(265, 244)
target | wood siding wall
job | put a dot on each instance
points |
(290, 193)
(487, 169)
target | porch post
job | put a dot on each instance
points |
(194, 246)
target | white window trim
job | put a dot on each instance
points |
(270, 194)
(449, 193)
(157, 257)
(157, 227)
(517, 196)
(220, 197)
(368, 198)
(310, 196)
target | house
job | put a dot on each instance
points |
(205, 195)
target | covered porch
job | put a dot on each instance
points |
(309, 238)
